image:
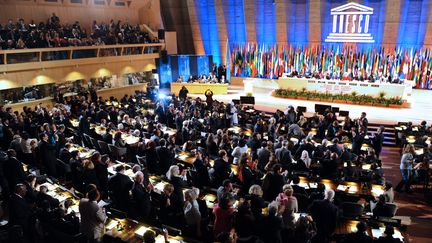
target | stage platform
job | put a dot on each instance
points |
(198, 88)
(421, 107)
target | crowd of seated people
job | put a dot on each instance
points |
(253, 169)
(216, 75)
(54, 33)
(350, 75)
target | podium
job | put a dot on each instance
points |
(248, 86)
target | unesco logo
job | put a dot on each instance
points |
(351, 24)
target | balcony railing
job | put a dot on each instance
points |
(45, 55)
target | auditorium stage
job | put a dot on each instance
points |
(421, 106)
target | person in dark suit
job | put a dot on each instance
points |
(113, 115)
(360, 236)
(357, 141)
(319, 194)
(271, 225)
(263, 154)
(382, 209)
(30, 184)
(101, 114)
(101, 168)
(160, 111)
(325, 215)
(119, 186)
(107, 137)
(177, 180)
(61, 136)
(64, 154)
(47, 152)
(273, 182)
(378, 140)
(42, 197)
(170, 206)
(164, 155)
(334, 148)
(298, 189)
(183, 93)
(20, 210)
(222, 169)
(200, 165)
(141, 195)
(283, 155)
(333, 130)
(14, 171)
(84, 125)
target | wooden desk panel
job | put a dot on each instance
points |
(45, 102)
(197, 88)
(119, 92)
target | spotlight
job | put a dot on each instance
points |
(161, 96)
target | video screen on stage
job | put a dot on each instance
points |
(183, 65)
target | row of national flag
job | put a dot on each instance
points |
(271, 61)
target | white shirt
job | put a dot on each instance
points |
(237, 152)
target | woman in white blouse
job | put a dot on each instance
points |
(240, 149)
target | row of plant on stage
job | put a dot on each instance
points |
(352, 98)
(271, 61)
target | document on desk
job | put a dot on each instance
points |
(102, 203)
(376, 233)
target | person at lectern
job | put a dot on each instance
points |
(209, 98)
(183, 93)
(191, 79)
(222, 80)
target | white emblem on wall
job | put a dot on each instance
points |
(351, 24)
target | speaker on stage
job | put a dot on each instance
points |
(164, 56)
(161, 34)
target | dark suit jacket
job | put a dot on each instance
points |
(19, 212)
(165, 158)
(263, 157)
(119, 185)
(142, 200)
(161, 113)
(14, 172)
(270, 229)
(222, 171)
(300, 190)
(47, 153)
(102, 176)
(65, 155)
(178, 185)
(284, 156)
(107, 138)
(325, 215)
